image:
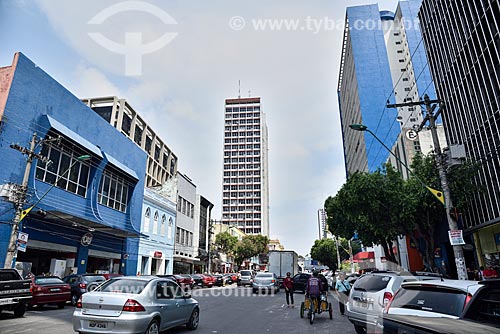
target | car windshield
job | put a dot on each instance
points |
(94, 278)
(431, 299)
(246, 273)
(264, 275)
(48, 280)
(372, 283)
(128, 286)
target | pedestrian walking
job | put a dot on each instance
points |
(342, 287)
(288, 284)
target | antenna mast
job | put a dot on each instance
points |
(239, 89)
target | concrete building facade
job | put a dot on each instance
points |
(463, 46)
(162, 162)
(245, 183)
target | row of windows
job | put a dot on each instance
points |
(185, 207)
(241, 127)
(239, 109)
(242, 180)
(249, 159)
(241, 208)
(74, 180)
(242, 134)
(240, 153)
(243, 121)
(242, 201)
(243, 173)
(243, 115)
(159, 227)
(72, 175)
(242, 187)
(183, 237)
(241, 194)
(249, 166)
(241, 140)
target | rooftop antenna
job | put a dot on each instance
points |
(249, 93)
(239, 89)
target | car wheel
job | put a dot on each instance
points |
(360, 329)
(61, 305)
(74, 299)
(194, 320)
(302, 309)
(153, 328)
(92, 286)
(20, 310)
(254, 290)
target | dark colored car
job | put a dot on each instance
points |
(220, 280)
(229, 278)
(82, 283)
(198, 280)
(49, 290)
(300, 281)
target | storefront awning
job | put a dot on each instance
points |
(363, 256)
(121, 166)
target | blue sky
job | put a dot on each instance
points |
(181, 85)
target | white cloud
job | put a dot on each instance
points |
(89, 82)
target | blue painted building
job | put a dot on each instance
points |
(383, 61)
(90, 221)
(156, 247)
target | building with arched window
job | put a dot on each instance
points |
(156, 246)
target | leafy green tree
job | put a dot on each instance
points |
(226, 242)
(371, 205)
(325, 251)
(250, 246)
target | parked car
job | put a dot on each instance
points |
(49, 290)
(220, 280)
(229, 279)
(82, 283)
(371, 293)
(265, 281)
(198, 280)
(109, 276)
(234, 277)
(480, 316)
(15, 292)
(208, 280)
(185, 281)
(246, 277)
(143, 304)
(433, 298)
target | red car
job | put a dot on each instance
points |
(185, 281)
(49, 290)
(208, 280)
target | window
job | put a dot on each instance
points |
(75, 180)
(155, 223)
(113, 191)
(169, 231)
(147, 215)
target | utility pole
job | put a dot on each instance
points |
(351, 257)
(210, 232)
(21, 199)
(338, 254)
(430, 106)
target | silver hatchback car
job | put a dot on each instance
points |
(145, 304)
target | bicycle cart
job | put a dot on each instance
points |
(311, 307)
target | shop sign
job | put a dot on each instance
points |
(157, 254)
(86, 239)
(456, 237)
(22, 241)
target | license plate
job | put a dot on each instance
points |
(360, 304)
(55, 290)
(6, 301)
(98, 324)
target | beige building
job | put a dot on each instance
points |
(162, 162)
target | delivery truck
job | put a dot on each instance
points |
(281, 262)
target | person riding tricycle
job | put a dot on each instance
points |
(315, 299)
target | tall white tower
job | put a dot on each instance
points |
(245, 183)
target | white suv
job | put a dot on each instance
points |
(372, 292)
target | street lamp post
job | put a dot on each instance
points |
(21, 214)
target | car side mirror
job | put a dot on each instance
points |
(187, 296)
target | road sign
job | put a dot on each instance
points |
(456, 237)
(412, 134)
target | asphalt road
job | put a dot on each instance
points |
(227, 310)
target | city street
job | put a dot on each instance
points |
(223, 310)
